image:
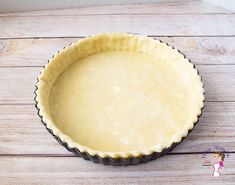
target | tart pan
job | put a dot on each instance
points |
(107, 42)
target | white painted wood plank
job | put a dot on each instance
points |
(174, 169)
(19, 84)
(219, 82)
(36, 52)
(154, 8)
(77, 25)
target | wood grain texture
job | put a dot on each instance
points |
(20, 83)
(177, 169)
(188, 7)
(75, 25)
(23, 133)
(36, 52)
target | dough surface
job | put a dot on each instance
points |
(118, 101)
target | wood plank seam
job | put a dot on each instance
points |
(72, 155)
(83, 36)
(61, 15)
(41, 66)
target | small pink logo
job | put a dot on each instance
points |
(218, 164)
(214, 158)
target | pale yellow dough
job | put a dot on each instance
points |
(119, 95)
(121, 101)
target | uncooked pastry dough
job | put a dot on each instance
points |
(119, 97)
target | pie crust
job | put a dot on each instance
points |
(118, 98)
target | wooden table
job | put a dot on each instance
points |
(30, 155)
